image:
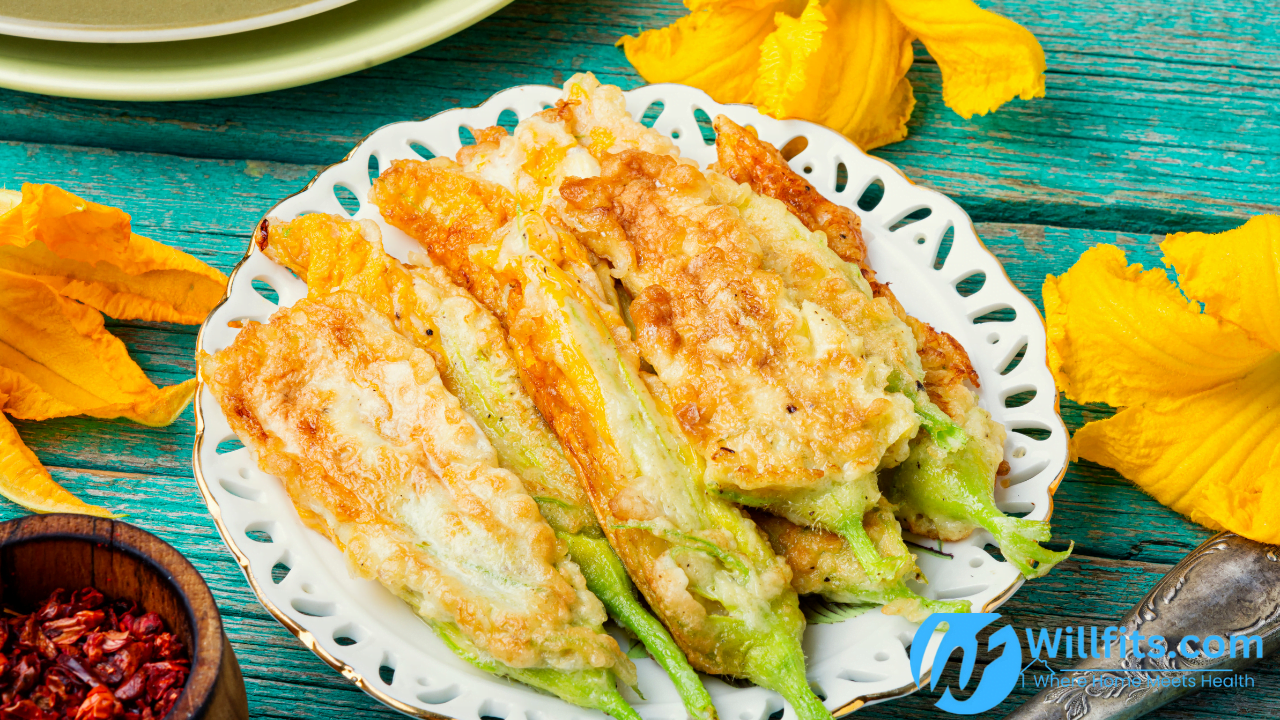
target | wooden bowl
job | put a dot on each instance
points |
(40, 553)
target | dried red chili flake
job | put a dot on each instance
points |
(100, 704)
(86, 599)
(68, 630)
(115, 639)
(148, 624)
(55, 607)
(25, 673)
(80, 656)
(167, 646)
(79, 670)
(130, 689)
(25, 710)
(27, 629)
(93, 646)
(45, 646)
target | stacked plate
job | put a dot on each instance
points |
(192, 49)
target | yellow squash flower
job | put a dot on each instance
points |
(842, 63)
(1200, 389)
(87, 252)
(58, 251)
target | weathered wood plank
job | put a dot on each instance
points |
(1157, 118)
(206, 206)
(112, 445)
(269, 698)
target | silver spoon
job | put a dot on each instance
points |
(1228, 586)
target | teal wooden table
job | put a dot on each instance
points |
(1160, 117)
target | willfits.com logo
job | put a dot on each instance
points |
(962, 632)
(1003, 673)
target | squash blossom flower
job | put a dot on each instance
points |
(1200, 389)
(842, 63)
(63, 263)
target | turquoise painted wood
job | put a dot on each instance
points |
(1160, 117)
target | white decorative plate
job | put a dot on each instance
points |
(375, 641)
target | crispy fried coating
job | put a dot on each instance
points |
(747, 159)
(476, 363)
(472, 216)
(948, 372)
(466, 342)
(420, 198)
(705, 569)
(381, 459)
(802, 304)
(532, 163)
(776, 393)
(946, 364)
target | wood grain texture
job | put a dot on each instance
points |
(1159, 117)
(1157, 114)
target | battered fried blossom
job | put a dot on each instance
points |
(648, 346)
(703, 566)
(380, 458)
(479, 367)
(743, 156)
(746, 301)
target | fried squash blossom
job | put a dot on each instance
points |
(381, 459)
(478, 367)
(613, 366)
(702, 339)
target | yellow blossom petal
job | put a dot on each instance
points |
(784, 68)
(858, 88)
(87, 252)
(716, 47)
(23, 397)
(25, 481)
(1123, 336)
(1241, 507)
(67, 363)
(9, 199)
(1236, 274)
(986, 60)
(1212, 456)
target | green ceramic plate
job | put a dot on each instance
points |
(349, 38)
(129, 21)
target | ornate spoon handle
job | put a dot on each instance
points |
(1229, 586)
